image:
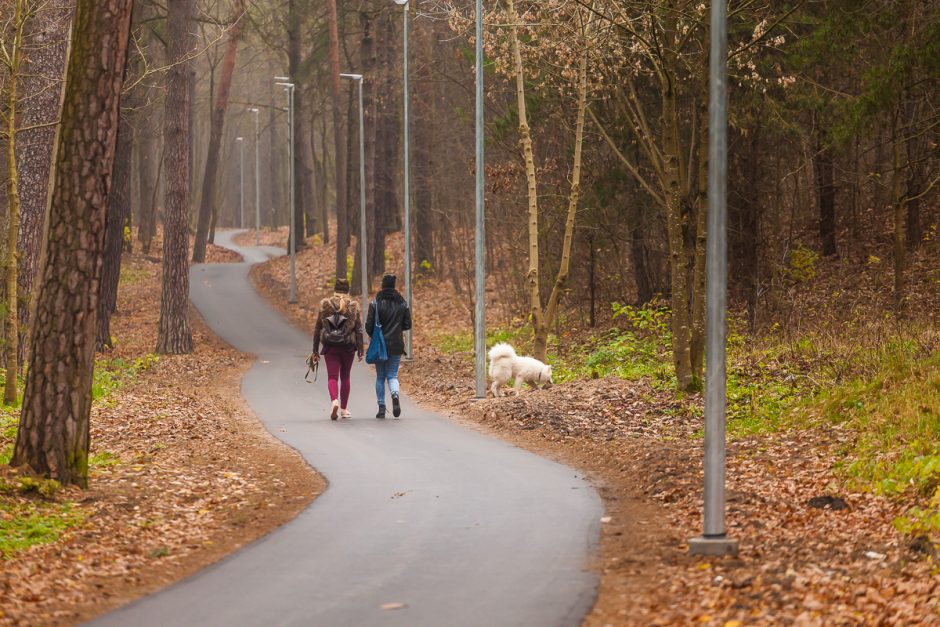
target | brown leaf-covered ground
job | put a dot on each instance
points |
(189, 475)
(799, 564)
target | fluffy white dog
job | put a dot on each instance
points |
(506, 365)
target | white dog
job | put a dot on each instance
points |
(506, 365)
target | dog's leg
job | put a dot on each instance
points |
(495, 389)
(518, 385)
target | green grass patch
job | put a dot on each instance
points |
(113, 374)
(896, 414)
(23, 525)
(131, 275)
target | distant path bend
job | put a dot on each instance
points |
(460, 528)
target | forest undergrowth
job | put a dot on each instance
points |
(833, 442)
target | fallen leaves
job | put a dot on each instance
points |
(185, 474)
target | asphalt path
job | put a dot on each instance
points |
(448, 526)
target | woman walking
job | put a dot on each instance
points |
(394, 318)
(339, 329)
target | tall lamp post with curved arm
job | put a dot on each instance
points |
(406, 174)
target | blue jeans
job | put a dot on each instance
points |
(387, 371)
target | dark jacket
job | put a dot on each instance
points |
(347, 307)
(395, 318)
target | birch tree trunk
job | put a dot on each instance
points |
(53, 434)
(532, 278)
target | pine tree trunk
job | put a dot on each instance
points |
(41, 83)
(207, 205)
(339, 148)
(174, 333)
(368, 104)
(148, 164)
(118, 210)
(293, 69)
(53, 434)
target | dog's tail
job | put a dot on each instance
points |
(501, 351)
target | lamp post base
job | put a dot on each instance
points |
(715, 546)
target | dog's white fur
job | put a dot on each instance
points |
(506, 365)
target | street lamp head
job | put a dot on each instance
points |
(238, 139)
(355, 77)
(282, 78)
(286, 85)
(401, 2)
(254, 109)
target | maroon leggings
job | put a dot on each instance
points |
(339, 363)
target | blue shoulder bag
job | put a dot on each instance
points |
(377, 349)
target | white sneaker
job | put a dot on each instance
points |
(345, 413)
(335, 412)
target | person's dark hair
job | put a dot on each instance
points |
(341, 286)
(388, 282)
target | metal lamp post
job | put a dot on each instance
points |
(257, 113)
(480, 262)
(284, 82)
(406, 182)
(714, 540)
(363, 258)
(241, 181)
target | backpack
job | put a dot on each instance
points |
(336, 329)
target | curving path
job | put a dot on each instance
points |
(461, 528)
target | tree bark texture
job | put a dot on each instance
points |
(826, 191)
(41, 90)
(53, 434)
(211, 175)
(297, 150)
(13, 205)
(174, 335)
(532, 278)
(148, 171)
(340, 154)
(119, 208)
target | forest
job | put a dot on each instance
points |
(137, 135)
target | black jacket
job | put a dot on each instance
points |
(395, 318)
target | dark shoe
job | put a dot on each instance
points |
(396, 406)
(381, 414)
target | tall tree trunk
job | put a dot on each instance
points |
(322, 185)
(310, 205)
(532, 278)
(297, 150)
(210, 177)
(11, 349)
(826, 191)
(275, 195)
(368, 99)
(387, 144)
(53, 434)
(43, 69)
(900, 222)
(118, 211)
(339, 148)
(174, 334)
(697, 342)
(423, 172)
(148, 164)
